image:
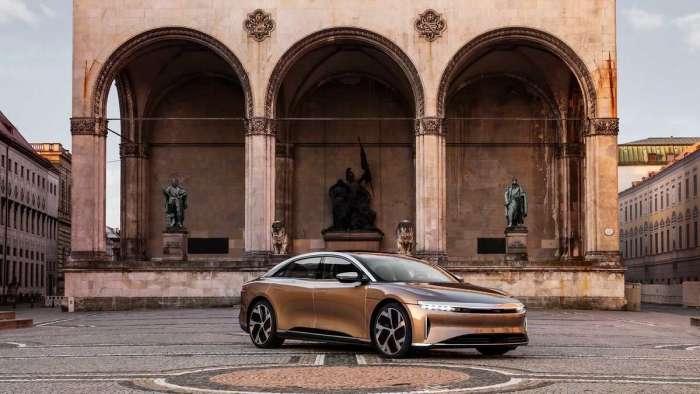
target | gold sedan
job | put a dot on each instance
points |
(393, 302)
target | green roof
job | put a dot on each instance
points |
(639, 154)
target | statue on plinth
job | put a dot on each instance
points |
(175, 205)
(515, 205)
(405, 238)
(279, 238)
(350, 199)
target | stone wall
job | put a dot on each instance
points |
(582, 288)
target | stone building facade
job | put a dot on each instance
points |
(257, 108)
(61, 160)
(29, 189)
(659, 237)
(637, 159)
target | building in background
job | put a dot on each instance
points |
(61, 160)
(29, 188)
(659, 238)
(447, 115)
(636, 159)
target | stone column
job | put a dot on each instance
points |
(284, 181)
(601, 215)
(259, 187)
(431, 196)
(88, 197)
(134, 218)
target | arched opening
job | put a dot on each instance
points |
(183, 98)
(516, 106)
(328, 93)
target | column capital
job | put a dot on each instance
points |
(133, 149)
(603, 126)
(430, 125)
(260, 126)
(88, 126)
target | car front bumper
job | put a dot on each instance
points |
(457, 329)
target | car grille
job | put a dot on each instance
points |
(486, 339)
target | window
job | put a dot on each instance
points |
(679, 191)
(668, 240)
(687, 235)
(333, 266)
(687, 188)
(401, 269)
(680, 237)
(695, 233)
(656, 202)
(303, 268)
(656, 243)
(695, 184)
(662, 241)
(662, 201)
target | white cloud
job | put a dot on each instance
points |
(47, 11)
(690, 24)
(17, 10)
(643, 20)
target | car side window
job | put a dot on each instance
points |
(333, 266)
(303, 269)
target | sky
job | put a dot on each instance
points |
(658, 44)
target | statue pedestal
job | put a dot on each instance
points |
(516, 245)
(175, 246)
(365, 241)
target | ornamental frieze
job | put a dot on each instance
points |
(430, 25)
(259, 25)
(87, 126)
(604, 126)
(131, 149)
(430, 126)
(260, 126)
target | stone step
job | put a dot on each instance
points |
(7, 315)
(15, 323)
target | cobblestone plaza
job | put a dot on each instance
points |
(204, 350)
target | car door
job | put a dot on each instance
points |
(340, 307)
(291, 293)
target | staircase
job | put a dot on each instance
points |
(8, 321)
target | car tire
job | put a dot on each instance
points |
(390, 331)
(494, 350)
(262, 326)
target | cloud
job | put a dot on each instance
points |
(643, 20)
(19, 11)
(690, 24)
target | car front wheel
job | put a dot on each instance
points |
(391, 331)
(262, 326)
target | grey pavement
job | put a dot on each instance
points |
(571, 351)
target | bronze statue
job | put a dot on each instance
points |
(175, 205)
(351, 199)
(516, 204)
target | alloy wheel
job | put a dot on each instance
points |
(260, 324)
(390, 331)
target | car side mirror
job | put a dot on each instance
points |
(349, 277)
(460, 278)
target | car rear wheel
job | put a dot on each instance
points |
(262, 326)
(495, 350)
(391, 331)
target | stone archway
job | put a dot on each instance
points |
(339, 34)
(186, 75)
(516, 102)
(319, 94)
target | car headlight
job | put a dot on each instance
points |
(436, 306)
(521, 308)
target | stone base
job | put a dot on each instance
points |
(516, 245)
(175, 246)
(155, 288)
(368, 241)
(549, 287)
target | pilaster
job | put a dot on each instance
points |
(259, 187)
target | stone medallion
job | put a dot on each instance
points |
(343, 379)
(430, 25)
(259, 25)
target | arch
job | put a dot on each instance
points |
(322, 37)
(526, 35)
(126, 52)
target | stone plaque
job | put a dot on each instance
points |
(369, 241)
(175, 246)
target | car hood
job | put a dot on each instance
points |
(452, 292)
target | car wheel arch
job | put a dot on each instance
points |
(380, 305)
(255, 300)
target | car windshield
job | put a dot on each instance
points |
(400, 269)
